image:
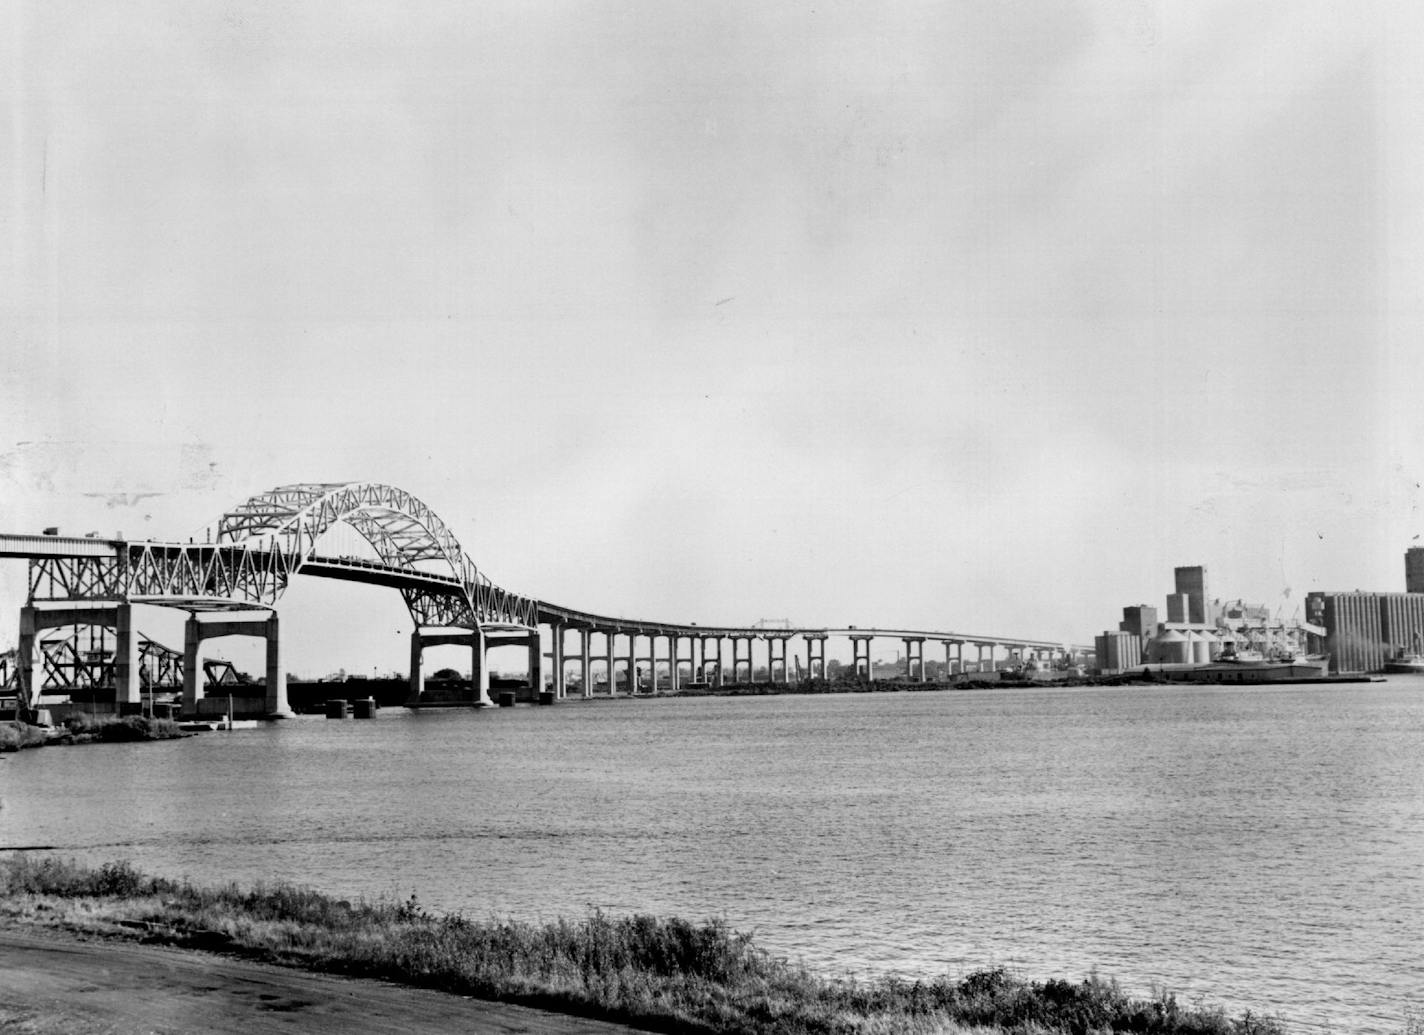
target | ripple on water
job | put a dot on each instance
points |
(1261, 849)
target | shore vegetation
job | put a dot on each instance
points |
(88, 729)
(17, 735)
(666, 975)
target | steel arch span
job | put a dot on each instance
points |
(265, 540)
(406, 534)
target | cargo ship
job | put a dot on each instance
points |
(1405, 664)
(1283, 670)
(1250, 668)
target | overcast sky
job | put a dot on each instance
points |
(974, 316)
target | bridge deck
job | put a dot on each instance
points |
(355, 569)
(26, 546)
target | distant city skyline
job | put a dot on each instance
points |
(980, 317)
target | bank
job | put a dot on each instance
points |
(655, 974)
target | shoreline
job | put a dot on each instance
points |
(640, 972)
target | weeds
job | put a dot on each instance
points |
(17, 735)
(662, 974)
(112, 730)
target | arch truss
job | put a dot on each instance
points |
(268, 538)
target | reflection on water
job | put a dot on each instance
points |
(1261, 848)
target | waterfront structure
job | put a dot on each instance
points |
(1141, 621)
(1191, 582)
(230, 585)
(1414, 569)
(1118, 651)
(1198, 628)
(1362, 631)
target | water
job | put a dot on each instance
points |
(1260, 848)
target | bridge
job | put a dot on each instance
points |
(231, 583)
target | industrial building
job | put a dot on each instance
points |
(1362, 631)
(1191, 583)
(1414, 569)
(1197, 628)
(1118, 651)
(1140, 620)
(1365, 630)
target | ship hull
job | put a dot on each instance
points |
(1247, 672)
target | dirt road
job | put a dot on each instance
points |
(52, 982)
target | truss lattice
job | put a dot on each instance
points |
(81, 657)
(265, 540)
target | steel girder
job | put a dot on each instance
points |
(82, 657)
(159, 666)
(195, 575)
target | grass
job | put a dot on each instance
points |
(667, 975)
(87, 729)
(17, 735)
(84, 728)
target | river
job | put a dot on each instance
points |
(1258, 848)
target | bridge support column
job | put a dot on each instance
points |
(276, 677)
(608, 639)
(721, 672)
(192, 665)
(479, 668)
(558, 651)
(632, 678)
(195, 632)
(776, 651)
(123, 673)
(673, 645)
(586, 656)
(25, 660)
(128, 687)
(479, 672)
(860, 652)
(536, 664)
(815, 657)
(417, 671)
(914, 659)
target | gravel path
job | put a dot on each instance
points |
(52, 982)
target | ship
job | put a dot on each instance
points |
(1248, 667)
(1407, 661)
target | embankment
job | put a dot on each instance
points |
(667, 975)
